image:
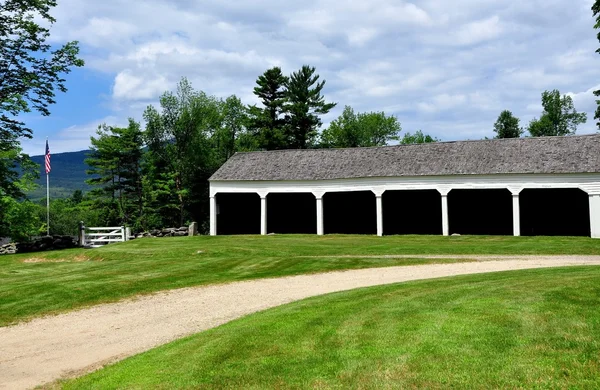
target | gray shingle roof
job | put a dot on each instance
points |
(574, 154)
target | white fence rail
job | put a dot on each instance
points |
(96, 237)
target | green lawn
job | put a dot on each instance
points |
(519, 329)
(65, 280)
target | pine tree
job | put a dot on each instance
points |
(303, 107)
(115, 162)
(267, 123)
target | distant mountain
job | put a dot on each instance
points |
(68, 174)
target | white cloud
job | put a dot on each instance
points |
(361, 35)
(73, 138)
(478, 31)
(130, 87)
(585, 100)
(447, 68)
(442, 102)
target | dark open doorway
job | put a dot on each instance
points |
(292, 213)
(483, 212)
(412, 212)
(350, 212)
(555, 212)
(238, 214)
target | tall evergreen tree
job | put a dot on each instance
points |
(559, 117)
(303, 107)
(115, 162)
(507, 126)
(267, 123)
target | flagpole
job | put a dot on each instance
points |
(47, 166)
(48, 202)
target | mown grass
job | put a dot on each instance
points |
(519, 329)
(64, 280)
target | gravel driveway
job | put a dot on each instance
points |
(77, 342)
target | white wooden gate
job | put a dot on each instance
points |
(100, 236)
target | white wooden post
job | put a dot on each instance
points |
(516, 215)
(81, 234)
(213, 216)
(127, 233)
(123, 234)
(263, 214)
(445, 218)
(595, 215)
(379, 202)
(320, 224)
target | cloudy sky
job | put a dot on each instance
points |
(446, 67)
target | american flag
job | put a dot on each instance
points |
(47, 158)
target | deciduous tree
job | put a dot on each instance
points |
(30, 71)
(233, 126)
(417, 138)
(180, 140)
(17, 218)
(507, 126)
(558, 118)
(362, 129)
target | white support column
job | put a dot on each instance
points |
(516, 206)
(516, 215)
(445, 218)
(595, 215)
(263, 214)
(213, 216)
(379, 202)
(320, 224)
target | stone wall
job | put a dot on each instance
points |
(39, 244)
(168, 232)
(64, 242)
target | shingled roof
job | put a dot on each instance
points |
(572, 154)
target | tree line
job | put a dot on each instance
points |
(156, 174)
(559, 117)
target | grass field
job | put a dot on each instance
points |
(518, 329)
(50, 282)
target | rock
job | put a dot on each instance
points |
(193, 229)
(180, 233)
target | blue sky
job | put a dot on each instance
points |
(445, 67)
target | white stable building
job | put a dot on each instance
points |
(525, 186)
